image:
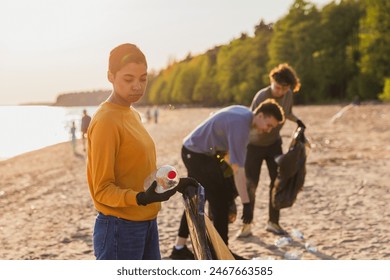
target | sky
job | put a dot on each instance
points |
(51, 47)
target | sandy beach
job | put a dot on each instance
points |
(46, 211)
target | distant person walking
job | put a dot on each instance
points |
(73, 136)
(148, 115)
(156, 114)
(85, 120)
(265, 147)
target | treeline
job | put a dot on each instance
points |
(340, 52)
(84, 98)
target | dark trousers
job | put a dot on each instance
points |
(219, 190)
(254, 159)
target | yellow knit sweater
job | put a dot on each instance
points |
(121, 154)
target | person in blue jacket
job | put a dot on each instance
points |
(223, 137)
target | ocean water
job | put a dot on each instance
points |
(27, 128)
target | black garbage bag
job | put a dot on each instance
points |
(291, 171)
(194, 201)
(206, 242)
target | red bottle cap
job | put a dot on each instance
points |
(171, 175)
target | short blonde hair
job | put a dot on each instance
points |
(124, 54)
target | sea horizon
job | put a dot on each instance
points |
(28, 128)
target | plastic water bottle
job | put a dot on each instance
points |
(293, 255)
(283, 241)
(166, 177)
(310, 247)
(296, 233)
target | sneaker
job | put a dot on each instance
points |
(246, 231)
(182, 254)
(275, 229)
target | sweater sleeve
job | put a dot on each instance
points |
(105, 138)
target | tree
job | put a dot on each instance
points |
(337, 55)
(206, 89)
(160, 92)
(241, 66)
(385, 95)
(295, 41)
(374, 47)
(185, 81)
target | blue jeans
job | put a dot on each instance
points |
(119, 239)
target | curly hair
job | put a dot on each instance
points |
(285, 75)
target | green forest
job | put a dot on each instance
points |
(340, 52)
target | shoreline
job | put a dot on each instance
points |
(2, 159)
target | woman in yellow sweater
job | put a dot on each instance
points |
(121, 154)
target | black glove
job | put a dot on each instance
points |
(301, 124)
(185, 182)
(150, 196)
(247, 214)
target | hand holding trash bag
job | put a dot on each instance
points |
(247, 214)
(301, 124)
(186, 182)
(150, 195)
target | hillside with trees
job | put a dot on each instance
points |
(340, 52)
(86, 98)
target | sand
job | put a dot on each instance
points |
(46, 211)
